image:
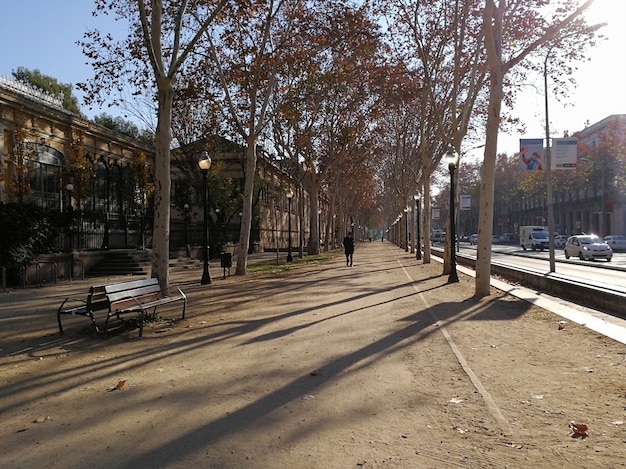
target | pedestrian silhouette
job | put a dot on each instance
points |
(348, 247)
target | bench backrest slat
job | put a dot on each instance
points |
(129, 285)
(127, 302)
(127, 294)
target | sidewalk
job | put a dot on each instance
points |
(381, 364)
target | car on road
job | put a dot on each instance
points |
(509, 238)
(587, 247)
(617, 242)
(473, 239)
(559, 241)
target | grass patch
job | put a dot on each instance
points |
(274, 267)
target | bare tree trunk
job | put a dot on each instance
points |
(485, 213)
(161, 227)
(426, 227)
(314, 222)
(492, 21)
(246, 218)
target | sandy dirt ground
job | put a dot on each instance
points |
(376, 366)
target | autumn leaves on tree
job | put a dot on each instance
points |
(357, 101)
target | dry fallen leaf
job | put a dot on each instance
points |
(118, 387)
(579, 429)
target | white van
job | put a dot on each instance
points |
(437, 236)
(534, 237)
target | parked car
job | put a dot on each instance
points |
(617, 242)
(509, 238)
(496, 239)
(587, 247)
(473, 239)
(559, 241)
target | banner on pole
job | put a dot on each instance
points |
(531, 154)
(565, 153)
(466, 202)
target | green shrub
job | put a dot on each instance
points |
(27, 231)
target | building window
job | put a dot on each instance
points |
(44, 179)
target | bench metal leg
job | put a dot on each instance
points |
(60, 326)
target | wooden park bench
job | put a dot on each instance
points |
(96, 301)
(133, 296)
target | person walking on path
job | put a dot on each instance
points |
(348, 247)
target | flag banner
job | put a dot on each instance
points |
(565, 153)
(466, 202)
(531, 153)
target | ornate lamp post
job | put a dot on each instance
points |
(289, 197)
(452, 158)
(333, 235)
(70, 209)
(601, 232)
(205, 163)
(187, 243)
(217, 229)
(418, 241)
(406, 229)
(319, 230)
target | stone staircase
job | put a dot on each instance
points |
(122, 263)
(181, 264)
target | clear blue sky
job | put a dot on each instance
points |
(41, 34)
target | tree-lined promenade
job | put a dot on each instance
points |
(357, 102)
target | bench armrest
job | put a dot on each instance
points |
(72, 299)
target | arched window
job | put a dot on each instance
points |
(101, 197)
(115, 187)
(44, 178)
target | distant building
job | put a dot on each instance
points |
(46, 133)
(605, 196)
(599, 206)
(107, 220)
(270, 222)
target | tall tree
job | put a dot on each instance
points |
(51, 85)
(440, 43)
(244, 56)
(163, 34)
(513, 32)
(125, 127)
(333, 84)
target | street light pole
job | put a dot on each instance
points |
(406, 229)
(289, 197)
(552, 261)
(601, 217)
(217, 229)
(205, 163)
(319, 230)
(602, 233)
(70, 209)
(418, 241)
(187, 242)
(452, 158)
(398, 232)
